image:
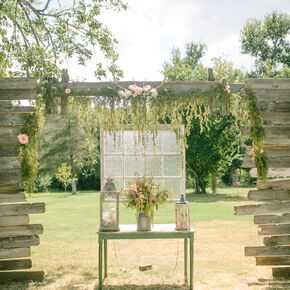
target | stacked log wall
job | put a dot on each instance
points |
(17, 235)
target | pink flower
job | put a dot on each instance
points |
(132, 87)
(146, 88)
(67, 90)
(153, 197)
(22, 138)
(228, 89)
(135, 89)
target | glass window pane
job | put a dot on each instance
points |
(113, 166)
(172, 165)
(112, 143)
(134, 166)
(153, 166)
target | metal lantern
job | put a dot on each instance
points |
(109, 207)
(182, 214)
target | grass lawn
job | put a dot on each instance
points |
(68, 247)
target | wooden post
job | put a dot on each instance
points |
(64, 98)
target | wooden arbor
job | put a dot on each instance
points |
(16, 234)
(273, 215)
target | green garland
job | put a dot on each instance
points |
(113, 112)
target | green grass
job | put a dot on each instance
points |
(68, 248)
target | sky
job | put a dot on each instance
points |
(149, 29)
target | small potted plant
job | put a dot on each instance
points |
(144, 197)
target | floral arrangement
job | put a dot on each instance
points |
(144, 196)
(134, 91)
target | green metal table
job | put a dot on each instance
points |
(159, 231)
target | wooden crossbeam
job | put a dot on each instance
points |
(277, 240)
(21, 230)
(267, 251)
(282, 272)
(269, 194)
(275, 184)
(269, 261)
(262, 208)
(271, 219)
(19, 242)
(22, 208)
(15, 264)
(14, 253)
(281, 229)
(12, 197)
(18, 83)
(22, 276)
(14, 220)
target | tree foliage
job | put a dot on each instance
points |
(37, 36)
(268, 41)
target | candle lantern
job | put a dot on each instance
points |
(109, 207)
(182, 214)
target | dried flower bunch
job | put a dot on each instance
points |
(144, 196)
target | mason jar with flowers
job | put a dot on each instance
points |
(144, 197)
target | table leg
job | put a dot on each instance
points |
(106, 258)
(191, 240)
(185, 261)
(100, 263)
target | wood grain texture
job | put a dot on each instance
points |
(280, 229)
(282, 272)
(267, 251)
(22, 276)
(9, 136)
(273, 106)
(11, 176)
(271, 219)
(269, 261)
(262, 208)
(14, 253)
(12, 197)
(283, 183)
(15, 264)
(14, 220)
(10, 163)
(9, 151)
(13, 119)
(21, 208)
(277, 240)
(273, 162)
(273, 172)
(18, 83)
(8, 107)
(22, 230)
(10, 188)
(269, 194)
(19, 242)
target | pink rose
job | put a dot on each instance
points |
(132, 87)
(138, 91)
(23, 139)
(146, 88)
(67, 90)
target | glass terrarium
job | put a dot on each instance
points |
(182, 214)
(109, 207)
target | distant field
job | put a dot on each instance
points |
(68, 249)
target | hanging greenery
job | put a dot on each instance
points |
(144, 109)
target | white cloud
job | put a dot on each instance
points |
(148, 30)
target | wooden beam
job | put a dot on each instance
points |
(273, 172)
(273, 106)
(267, 251)
(18, 83)
(22, 208)
(22, 230)
(9, 136)
(277, 117)
(262, 208)
(14, 220)
(283, 272)
(275, 184)
(268, 261)
(9, 151)
(22, 276)
(10, 176)
(15, 264)
(272, 162)
(269, 194)
(10, 163)
(19, 242)
(12, 197)
(13, 119)
(281, 229)
(14, 253)
(97, 88)
(277, 240)
(269, 83)
(10, 188)
(271, 219)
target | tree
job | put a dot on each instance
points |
(213, 150)
(64, 175)
(268, 41)
(37, 36)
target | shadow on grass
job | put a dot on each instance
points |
(211, 197)
(144, 287)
